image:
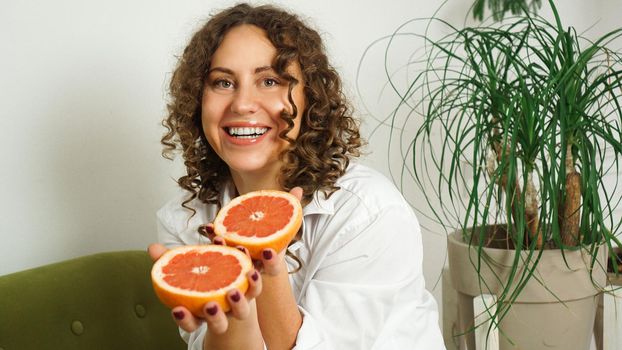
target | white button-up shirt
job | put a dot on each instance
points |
(361, 284)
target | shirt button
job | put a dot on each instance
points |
(140, 311)
(77, 327)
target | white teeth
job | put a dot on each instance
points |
(246, 132)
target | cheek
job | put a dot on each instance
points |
(212, 111)
(296, 129)
(279, 101)
(299, 97)
(210, 126)
(275, 104)
(299, 100)
(301, 105)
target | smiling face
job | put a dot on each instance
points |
(242, 102)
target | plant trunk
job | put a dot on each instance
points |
(570, 205)
(532, 219)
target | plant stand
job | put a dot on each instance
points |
(614, 283)
(555, 310)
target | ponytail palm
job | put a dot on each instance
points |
(525, 118)
(499, 8)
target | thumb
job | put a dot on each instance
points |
(156, 250)
(297, 192)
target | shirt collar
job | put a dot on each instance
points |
(227, 194)
(320, 204)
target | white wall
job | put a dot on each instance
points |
(83, 86)
(82, 90)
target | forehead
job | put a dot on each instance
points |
(244, 45)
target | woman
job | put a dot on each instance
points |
(256, 105)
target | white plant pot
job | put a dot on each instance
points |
(555, 309)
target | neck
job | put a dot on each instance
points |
(248, 182)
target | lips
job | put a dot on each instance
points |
(245, 133)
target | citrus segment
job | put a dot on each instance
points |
(191, 276)
(201, 272)
(259, 216)
(260, 220)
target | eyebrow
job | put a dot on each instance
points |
(229, 71)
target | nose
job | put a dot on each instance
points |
(245, 101)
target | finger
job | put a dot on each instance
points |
(254, 284)
(207, 230)
(216, 319)
(185, 319)
(243, 250)
(297, 192)
(258, 264)
(218, 240)
(239, 305)
(156, 250)
(270, 262)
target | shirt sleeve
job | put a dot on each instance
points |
(177, 226)
(166, 235)
(369, 291)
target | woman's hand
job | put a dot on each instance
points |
(239, 324)
(272, 263)
(242, 321)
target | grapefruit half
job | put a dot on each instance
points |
(191, 276)
(259, 220)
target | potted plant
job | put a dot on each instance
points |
(518, 130)
(499, 8)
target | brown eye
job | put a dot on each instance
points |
(269, 82)
(223, 84)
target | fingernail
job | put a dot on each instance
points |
(235, 296)
(212, 310)
(255, 276)
(206, 230)
(217, 242)
(267, 254)
(179, 315)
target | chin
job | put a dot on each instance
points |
(251, 166)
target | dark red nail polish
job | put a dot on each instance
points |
(217, 242)
(255, 276)
(235, 296)
(267, 254)
(212, 310)
(179, 315)
(209, 229)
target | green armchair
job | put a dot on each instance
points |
(101, 301)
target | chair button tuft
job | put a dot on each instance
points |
(140, 311)
(77, 327)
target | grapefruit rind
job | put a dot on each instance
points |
(194, 301)
(277, 240)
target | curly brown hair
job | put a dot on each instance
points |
(328, 137)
